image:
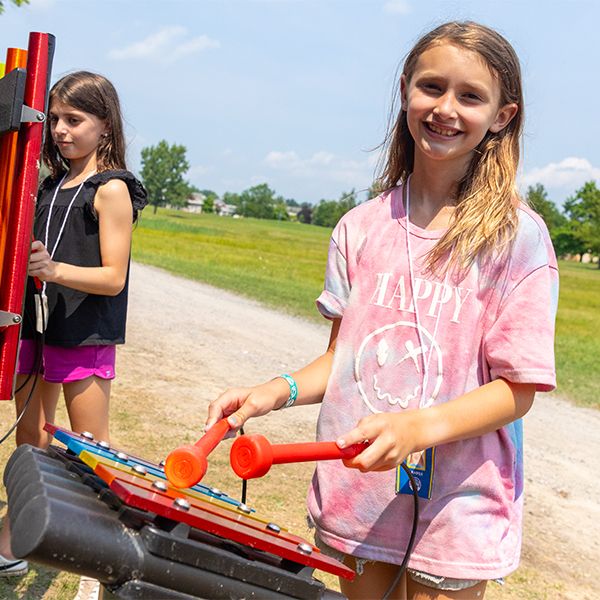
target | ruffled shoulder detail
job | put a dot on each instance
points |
(137, 192)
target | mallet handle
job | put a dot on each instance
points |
(307, 451)
(210, 440)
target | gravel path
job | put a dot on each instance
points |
(188, 342)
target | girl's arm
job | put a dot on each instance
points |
(240, 404)
(394, 436)
(113, 207)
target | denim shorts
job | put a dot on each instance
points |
(427, 579)
(63, 365)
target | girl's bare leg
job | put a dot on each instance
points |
(87, 404)
(374, 582)
(41, 408)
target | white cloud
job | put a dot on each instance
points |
(166, 45)
(571, 172)
(397, 7)
(324, 165)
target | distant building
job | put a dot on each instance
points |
(293, 211)
(224, 210)
(195, 202)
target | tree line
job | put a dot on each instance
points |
(574, 231)
(163, 173)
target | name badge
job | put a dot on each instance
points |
(41, 312)
(421, 465)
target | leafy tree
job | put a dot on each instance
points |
(375, 189)
(163, 168)
(260, 202)
(538, 199)
(566, 241)
(231, 198)
(16, 2)
(325, 213)
(328, 212)
(209, 194)
(305, 213)
(280, 209)
(583, 211)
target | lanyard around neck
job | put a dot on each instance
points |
(426, 354)
(64, 221)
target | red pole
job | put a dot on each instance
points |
(15, 59)
(22, 207)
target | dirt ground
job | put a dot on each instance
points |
(187, 342)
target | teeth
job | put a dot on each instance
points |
(440, 131)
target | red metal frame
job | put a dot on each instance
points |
(22, 206)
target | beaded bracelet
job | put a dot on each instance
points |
(293, 390)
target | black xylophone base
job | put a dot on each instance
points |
(65, 517)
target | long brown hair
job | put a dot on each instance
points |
(485, 219)
(94, 94)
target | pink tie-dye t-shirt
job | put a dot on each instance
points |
(496, 322)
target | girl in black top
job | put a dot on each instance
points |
(80, 258)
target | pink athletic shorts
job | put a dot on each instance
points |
(62, 365)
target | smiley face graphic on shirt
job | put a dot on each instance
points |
(398, 366)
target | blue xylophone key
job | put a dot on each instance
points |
(78, 444)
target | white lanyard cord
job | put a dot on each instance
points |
(423, 403)
(62, 226)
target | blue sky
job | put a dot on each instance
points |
(296, 93)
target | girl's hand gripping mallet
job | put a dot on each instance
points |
(186, 466)
(252, 455)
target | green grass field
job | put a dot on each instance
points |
(283, 264)
(578, 333)
(279, 263)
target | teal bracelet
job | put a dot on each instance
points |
(293, 390)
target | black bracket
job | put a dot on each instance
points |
(13, 111)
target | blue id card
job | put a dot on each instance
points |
(421, 465)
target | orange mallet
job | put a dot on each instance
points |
(252, 455)
(186, 466)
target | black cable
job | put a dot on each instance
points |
(34, 372)
(39, 348)
(413, 534)
(244, 481)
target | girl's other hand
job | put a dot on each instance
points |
(240, 404)
(41, 264)
(392, 438)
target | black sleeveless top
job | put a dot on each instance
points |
(76, 318)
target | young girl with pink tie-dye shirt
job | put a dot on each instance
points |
(442, 293)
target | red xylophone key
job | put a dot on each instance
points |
(252, 455)
(186, 466)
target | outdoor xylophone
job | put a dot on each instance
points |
(93, 510)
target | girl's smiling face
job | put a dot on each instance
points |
(452, 100)
(75, 132)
